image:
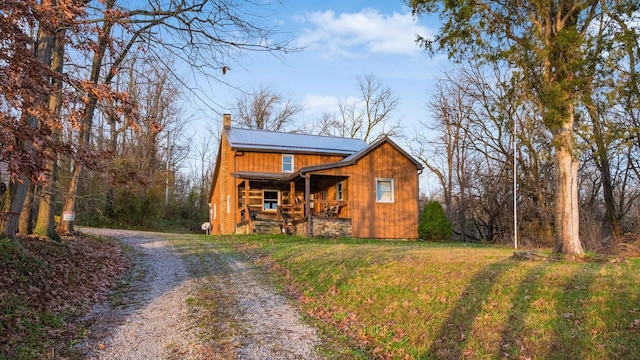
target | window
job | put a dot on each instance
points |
(384, 190)
(340, 191)
(287, 163)
(270, 199)
(215, 211)
(228, 204)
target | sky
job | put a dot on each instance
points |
(341, 40)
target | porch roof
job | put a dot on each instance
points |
(320, 181)
(264, 176)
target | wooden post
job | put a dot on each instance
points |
(247, 209)
(307, 199)
(292, 199)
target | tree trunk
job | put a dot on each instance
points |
(66, 226)
(15, 208)
(43, 54)
(601, 157)
(110, 197)
(24, 224)
(45, 224)
(567, 209)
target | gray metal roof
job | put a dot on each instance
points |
(248, 139)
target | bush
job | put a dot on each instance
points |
(434, 225)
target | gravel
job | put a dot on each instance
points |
(153, 321)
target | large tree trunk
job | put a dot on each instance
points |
(45, 225)
(24, 224)
(567, 209)
(43, 54)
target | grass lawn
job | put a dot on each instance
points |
(451, 301)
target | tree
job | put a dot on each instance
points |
(204, 34)
(447, 156)
(265, 109)
(546, 43)
(434, 224)
(366, 117)
(25, 88)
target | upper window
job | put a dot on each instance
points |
(340, 191)
(287, 163)
(384, 190)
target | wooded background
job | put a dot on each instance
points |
(92, 117)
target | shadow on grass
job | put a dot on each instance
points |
(572, 336)
(455, 331)
(579, 313)
(510, 342)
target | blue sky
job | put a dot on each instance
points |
(341, 40)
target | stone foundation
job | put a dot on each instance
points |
(331, 227)
(322, 227)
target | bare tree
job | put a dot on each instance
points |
(446, 156)
(472, 154)
(367, 117)
(204, 34)
(265, 109)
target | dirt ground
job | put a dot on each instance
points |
(153, 320)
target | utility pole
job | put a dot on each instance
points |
(166, 182)
(515, 187)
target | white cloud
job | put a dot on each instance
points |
(315, 105)
(344, 34)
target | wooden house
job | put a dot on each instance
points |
(268, 182)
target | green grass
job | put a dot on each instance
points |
(423, 300)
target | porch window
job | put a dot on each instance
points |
(340, 191)
(384, 190)
(287, 163)
(270, 199)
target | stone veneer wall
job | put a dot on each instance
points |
(301, 228)
(323, 227)
(331, 227)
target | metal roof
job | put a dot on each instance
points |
(248, 139)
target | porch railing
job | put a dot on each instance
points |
(328, 208)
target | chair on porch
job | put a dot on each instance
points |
(331, 211)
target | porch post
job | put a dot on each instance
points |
(292, 198)
(307, 200)
(247, 209)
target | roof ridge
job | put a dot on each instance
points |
(295, 133)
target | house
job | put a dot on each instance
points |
(270, 182)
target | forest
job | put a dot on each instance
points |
(539, 118)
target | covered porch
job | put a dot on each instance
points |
(303, 204)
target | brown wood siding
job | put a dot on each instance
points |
(370, 219)
(272, 162)
(223, 193)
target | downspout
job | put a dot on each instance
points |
(419, 214)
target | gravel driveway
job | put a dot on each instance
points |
(152, 320)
